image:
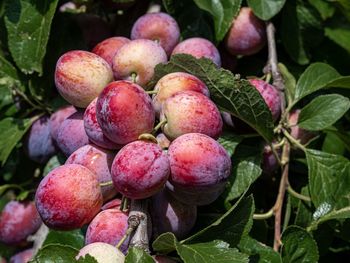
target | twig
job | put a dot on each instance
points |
(263, 216)
(297, 195)
(138, 216)
(38, 238)
(293, 140)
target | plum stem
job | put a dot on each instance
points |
(151, 91)
(263, 216)
(293, 140)
(106, 183)
(159, 125)
(297, 195)
(147, 137)
(124, 203)
(38, 238)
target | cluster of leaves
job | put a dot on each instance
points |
(33, 34)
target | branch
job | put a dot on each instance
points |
(38, 238)
(139, 217)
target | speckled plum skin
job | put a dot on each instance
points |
(190, 112)
(170, 215)
(18, 220)
(247, 34)
(57, 118)
(109, 47)
(80, 76)
(298, 133)
(139, 56)
(68, 197)
(23, 256)
(39, 145)
(198, 47)
(115, 204)
(159, 27)
(102, 252)
(270, 95)
(109, 226)
(199, 168)
(173, 83)
(140, 169)
(124, 111)
(71, 134)
(94, 131)
(98, 161)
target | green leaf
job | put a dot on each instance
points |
(342, 213)
(298, 246)
(216, 251)
(72, 238)
(137, 255)
(230, 141)
(301, 30)
(259, 251)
(245, 170)
(266, 9)
(323, 111)
(28, 25)
(8, 80)
(165, 243)
(329, 181)
(342, 135)
(237, 97)
(325, 9)
(303, 215)
(344, 6)
(22, 195)
(11, 132)
(289, 81)
(55, 253)
(315, 77)
(53, 162)
(341, 82)
(340, 35)
(222, 12)
(333, 144)
(231, 227)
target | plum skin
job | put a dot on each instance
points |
(199, 48)
(80, 76)
(109, 226)
(18, 221)
(247, 34)
(98, 161)
(58, 117)
(39, 144)
(140, 170)
(71, 134)
(199, 168)
(102, 252)
(160, 27)
(298, 133)
(138, 57)
(172, 83)
(93, 129)
(67, 208)
(109, 47)
(190, 112)
(170, 215)
(124, 111)
(23, 256)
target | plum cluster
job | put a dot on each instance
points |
(121, 140)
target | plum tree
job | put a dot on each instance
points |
(66, 208)
(140, 169)
(159, 27)
(80, 76)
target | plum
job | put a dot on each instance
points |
(163, 141)
(39, 145)
(190, 112)
(298, 133)
(58, 117)
(109, 47)
(68, 197)
(140, 169)
(115, 203)
(80, 76)
(137, 59)
(71, 134)
(163, 259)
(109, 226)
(93, 129)
(247, 34)
(198, 47)
(170, 215)
(102, 252)
(160, 27)
(270, 95)
(269, 162)
(173, 83)
(199, 168)
(98, 161)
(23, 256)
(18, 220)
(124, 111)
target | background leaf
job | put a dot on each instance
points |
(230, 141)
(72, 238)
(266, 9)
(137, 255)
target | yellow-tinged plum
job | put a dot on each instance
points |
(80, 76)
(199, 168)
(68, 197)
(102, 252)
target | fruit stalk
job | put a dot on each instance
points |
(38, 238)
